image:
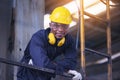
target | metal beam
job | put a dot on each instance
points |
(49, 71)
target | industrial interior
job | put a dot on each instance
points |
(100, 20)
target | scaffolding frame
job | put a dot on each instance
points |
(82, 38)
(83, 49)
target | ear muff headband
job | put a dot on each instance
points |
(52, 40)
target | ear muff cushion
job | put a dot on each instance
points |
(61, 42)
(52, 40)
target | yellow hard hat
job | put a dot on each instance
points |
(61, 15)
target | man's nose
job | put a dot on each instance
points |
(61, 28)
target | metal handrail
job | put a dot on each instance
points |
(49, 71)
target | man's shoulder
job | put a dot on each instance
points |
(41, 33)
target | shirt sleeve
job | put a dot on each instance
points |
(69, 61)
(38, 52)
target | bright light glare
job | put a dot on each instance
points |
(73, 23)
(46, 21)
(92, 6)
(96, 9)
(88, 3)
(71, 6)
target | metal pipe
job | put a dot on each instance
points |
(109, 39)
(95, 17)
(98, 53)
(82, 37)
(104, 60)
(46, 70)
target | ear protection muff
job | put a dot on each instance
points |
(52, 40)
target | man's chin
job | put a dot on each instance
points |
(59, 37)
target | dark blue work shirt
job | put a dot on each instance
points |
(45, 55)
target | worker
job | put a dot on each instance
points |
(51, 48)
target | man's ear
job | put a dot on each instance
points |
(50, 25)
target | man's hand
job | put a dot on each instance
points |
(77, 75)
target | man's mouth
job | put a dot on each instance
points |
(58, 35)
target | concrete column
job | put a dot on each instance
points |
(29, 19)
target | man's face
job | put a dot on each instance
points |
(59, 30)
